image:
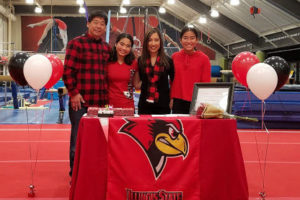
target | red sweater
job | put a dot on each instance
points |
(189, 69)
(119, 85)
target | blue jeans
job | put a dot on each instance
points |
(75, 117)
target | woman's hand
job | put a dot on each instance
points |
(137, 81)
(171, 104)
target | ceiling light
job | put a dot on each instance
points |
(80, 2)
(234, 2)
(162, 10)
(123, 10)
(190, 25)
(202, 20)
(214, 12)
(126, 2)
(29, 1)
(38, 9)
(171, 1)
(81, 10)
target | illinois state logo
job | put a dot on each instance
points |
(160, 139)
(152, 195)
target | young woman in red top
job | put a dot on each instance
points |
(191, 66)
(121, 69)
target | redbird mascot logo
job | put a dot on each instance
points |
(160, 139)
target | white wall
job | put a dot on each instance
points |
(16, 33)
(3, 35)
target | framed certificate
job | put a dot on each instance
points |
(217, 94)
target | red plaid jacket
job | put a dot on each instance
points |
(85, 69)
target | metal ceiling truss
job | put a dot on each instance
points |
(275, 25)
(250, 27)
(292, 7)
(279, 39)
(223, 21)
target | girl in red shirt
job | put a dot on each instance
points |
(121, 69)
(191, 66)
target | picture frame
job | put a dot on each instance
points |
(217, 94)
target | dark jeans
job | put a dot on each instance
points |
(181, 106)
(75, 117)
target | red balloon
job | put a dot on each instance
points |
(57, 70)
(241, 65)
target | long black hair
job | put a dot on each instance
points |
(114, 54)
(163, 61)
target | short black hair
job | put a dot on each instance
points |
(98, 13)
(186, 29)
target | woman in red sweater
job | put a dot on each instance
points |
(121, 69)
(191, 66)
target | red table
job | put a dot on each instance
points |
(221, 171)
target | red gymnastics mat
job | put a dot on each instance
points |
(279, 170)
(35, 155)
(47, 165)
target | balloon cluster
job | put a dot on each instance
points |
(261, 78)
(37, 70)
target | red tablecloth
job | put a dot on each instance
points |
(220, 174)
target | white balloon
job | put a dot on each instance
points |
(37, 71)
(262, 80)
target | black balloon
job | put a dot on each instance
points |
(282, 69)
(15, 67)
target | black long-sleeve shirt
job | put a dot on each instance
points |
(163, 88)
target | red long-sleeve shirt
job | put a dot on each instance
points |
(189, 69)
(120, 84)
(85, 69)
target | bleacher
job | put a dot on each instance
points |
(282, 109)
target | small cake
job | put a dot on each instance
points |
(105, 112)
(92, 111)
(123, 111)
